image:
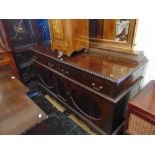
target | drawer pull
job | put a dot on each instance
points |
(35, 57)
(64, 72)
(97, 88)
(50, 65)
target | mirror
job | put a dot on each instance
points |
(112, 34)
(109, 29)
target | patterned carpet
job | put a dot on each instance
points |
(58, 123)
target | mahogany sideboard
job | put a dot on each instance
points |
(96, 86)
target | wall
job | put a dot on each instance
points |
(145, 41)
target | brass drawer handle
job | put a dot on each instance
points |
(64, 72)
(97, 88)
(35, 57)
(50, 65)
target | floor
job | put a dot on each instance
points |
(58, 123)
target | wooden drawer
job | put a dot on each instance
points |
(40, 58)
(52, 64)
(95, 83)
(63, 69)
(45, 60)
(87, 79)
(71, 72)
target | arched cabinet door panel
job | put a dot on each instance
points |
(60, 87)
(90, 106)
(45, 77)
(85, 104)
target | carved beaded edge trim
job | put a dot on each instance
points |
(85, 70)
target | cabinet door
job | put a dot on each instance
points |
(60, 87)
(58, 34)
(92, 107)
(45, 77)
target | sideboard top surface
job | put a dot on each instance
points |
(112, 68)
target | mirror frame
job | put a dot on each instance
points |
(117, 45)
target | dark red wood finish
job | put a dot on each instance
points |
(104, 83)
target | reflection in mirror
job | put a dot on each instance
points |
(109, 29)
(122, 30)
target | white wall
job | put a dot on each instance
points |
(145, 40)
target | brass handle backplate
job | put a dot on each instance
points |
(97, 88)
